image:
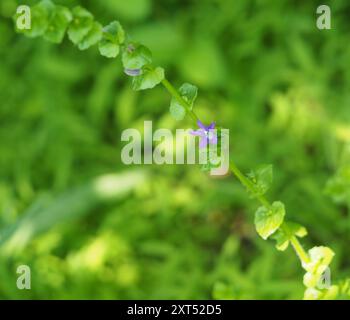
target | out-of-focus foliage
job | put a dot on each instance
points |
(90, 227)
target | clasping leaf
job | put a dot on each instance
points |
(82, 23)
(136, 56)
(284, 235)
(58, 24)
(189, 93)
(149, 78)
(268, 220)
(93, 36)
(261, 179)
(113, 37)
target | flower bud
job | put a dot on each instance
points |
(133, 72)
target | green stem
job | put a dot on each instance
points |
(303, 256)
(248, 184)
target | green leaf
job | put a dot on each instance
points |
(58, 24)
(189, 93)
(40, 17)
(177, 110)
(113, 37)
(108, 49)
(261, 178)
(114, 32)
(148, 79)
(93, 37)
(83, 22)
(268, 220)
(284, 235)
(136, 56)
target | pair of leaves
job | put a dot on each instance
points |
(84, 31)
(261, 179)
(48, 20)
(58, 24)
(284, 235)
(189, 93)
(138, 57)
(268, 220)
(113, 37)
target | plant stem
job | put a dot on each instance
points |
(248, 184)
(301, 253)
(303, 256)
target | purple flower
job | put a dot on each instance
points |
(133, 72)
(206, 133)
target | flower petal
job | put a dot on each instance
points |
(211, 126)
(201, 125)
(132, 72)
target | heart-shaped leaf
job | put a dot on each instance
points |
(136, 56)
(82, 23)
(268, 220)
(148, 79)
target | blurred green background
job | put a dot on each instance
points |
(90, 227)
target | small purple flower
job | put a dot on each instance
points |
(133, 72)
(206, 133)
